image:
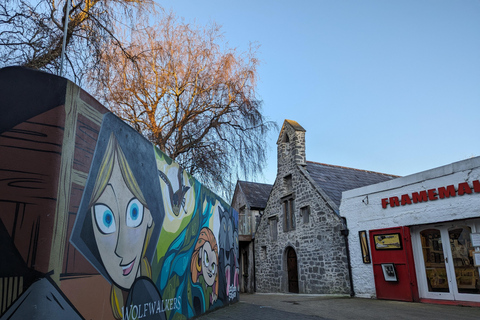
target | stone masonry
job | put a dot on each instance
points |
(316, 239)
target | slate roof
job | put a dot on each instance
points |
(256, 193)
(336, 179)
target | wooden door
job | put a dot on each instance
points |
(292, 270)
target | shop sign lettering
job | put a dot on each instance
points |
(432, 194)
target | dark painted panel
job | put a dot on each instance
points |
(29, 93)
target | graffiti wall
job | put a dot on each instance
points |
(97, 223)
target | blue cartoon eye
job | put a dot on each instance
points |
(134, 213)
(104, 219)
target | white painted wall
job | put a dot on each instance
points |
(369, 214)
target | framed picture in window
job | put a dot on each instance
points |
(476, 258)
(387, 241)
(475, 238)
(389, 273)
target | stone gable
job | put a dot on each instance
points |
(317, 240)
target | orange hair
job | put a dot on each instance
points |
(206, 235)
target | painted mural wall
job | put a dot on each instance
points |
(96, 222)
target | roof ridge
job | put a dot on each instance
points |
(369, 171)
(295, 124)
(255, 182)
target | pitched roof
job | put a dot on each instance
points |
(256, 193)
(295, 125)
(336, 179)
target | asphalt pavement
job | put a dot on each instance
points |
(316, 307)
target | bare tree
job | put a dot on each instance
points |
(183, 88)
(31, 31)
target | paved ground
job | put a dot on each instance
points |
(308, 307)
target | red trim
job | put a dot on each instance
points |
(406, 288)
(452, 302)
(411, 263)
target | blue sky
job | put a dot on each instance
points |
(387, 86)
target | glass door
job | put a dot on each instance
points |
(466, 274)
(444, 261)
(434, 260)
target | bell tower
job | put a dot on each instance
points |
(290, 147)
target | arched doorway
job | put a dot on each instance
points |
(292, 270)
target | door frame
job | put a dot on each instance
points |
(453, 293)
(292, 269)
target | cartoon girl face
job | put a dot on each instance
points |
(209, 264)
(120, 229)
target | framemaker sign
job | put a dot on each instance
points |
(432, 194)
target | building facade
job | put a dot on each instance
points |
(300, 244)
(417, 238)
(250, 200)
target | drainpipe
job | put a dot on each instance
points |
(254, 270)
(345, 237)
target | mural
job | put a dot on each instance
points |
(204, 264)
(96, 222)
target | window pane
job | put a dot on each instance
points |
(434, 260)
(292, 215)
(273, 228)
(462, 253)
(305, 211)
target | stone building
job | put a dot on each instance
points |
(301, 244)
(250, 200)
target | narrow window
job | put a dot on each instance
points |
(263, 253)
(288, 183)
(288, 214)
(305, 213)
(292, 215)
(272, 223)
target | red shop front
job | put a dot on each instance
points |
(393, 266)
(417, 238)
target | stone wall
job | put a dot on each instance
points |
(318, 242)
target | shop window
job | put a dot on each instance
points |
(288, 205)
(434, 260)
(466, 274)
(272, 224)
(305, 213)
(436, 242)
